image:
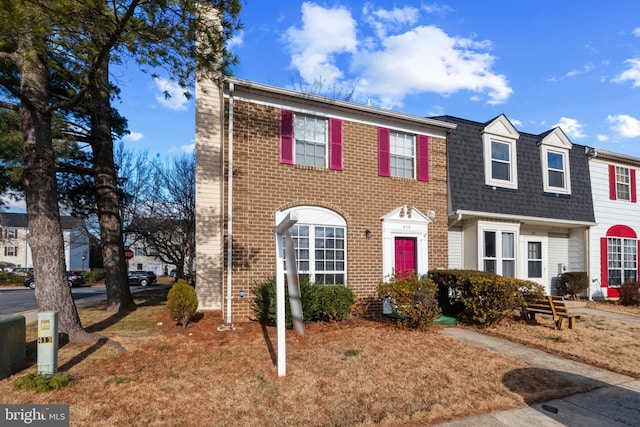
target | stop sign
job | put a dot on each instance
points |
(128, 253)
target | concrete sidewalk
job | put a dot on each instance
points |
(615, 401)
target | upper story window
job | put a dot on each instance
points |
(139, 252)
(310, 140)
(12, 233)
(500, 155)
(152, 251)
(403, 155)
(622, 183)
(554, 155)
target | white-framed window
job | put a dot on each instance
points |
(498, 248)
(12, 251)
(555, 170)
(623, 260)
(152, 251)
(11, 233)
(500, 163)
(320, 240)
(139, 252)
(402, 154)
(623, 183)
(311, 135)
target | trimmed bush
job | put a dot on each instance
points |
(182, 302)
(572, 283)
(319, 302)
(482, 298)
(413, 297)
(630, 293)
(95, 275)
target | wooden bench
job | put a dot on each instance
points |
(552, 306)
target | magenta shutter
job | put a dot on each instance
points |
(612, 182)
(286, 137)
(604, 262)
(632, 178)
(335, 144)
(384, 152)
(423, 158)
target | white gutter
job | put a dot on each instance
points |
(520, 218)
(230, 206)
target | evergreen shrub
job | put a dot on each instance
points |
(182, 302)
(572, 283)
(413, 298)
(630, 293)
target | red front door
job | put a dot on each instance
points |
(405, 251)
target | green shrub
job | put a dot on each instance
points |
(319, 302)
(630, 293)
(182, 302)
(7, 278)
(480, 297)
(41, 383)
(95, 275)
(572, 283)
(413, 298)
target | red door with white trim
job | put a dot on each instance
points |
(405, 254)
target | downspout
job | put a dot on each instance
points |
(455, 221)
(230, 206)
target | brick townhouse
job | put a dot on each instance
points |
(368, 186)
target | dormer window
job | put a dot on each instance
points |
(554, 152)
(500, 156)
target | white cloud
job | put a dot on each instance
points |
(384, 20)
(133, 136)
(584, 70)
(236, 40)
(387, 68)
(188, 148)
(636, 31)
(437, 8)
(515, 122)
(426, 59)
(632, 74)
(602, 138)
(324, 33)
(176, 100)
(625, 126)
(571, 127)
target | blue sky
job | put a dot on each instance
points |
(542, 63)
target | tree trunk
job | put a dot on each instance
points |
(107, 200)
(40, 188)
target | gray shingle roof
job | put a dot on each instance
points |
(19, 220)
(468, 191)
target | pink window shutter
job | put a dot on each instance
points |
(632, 178)
(612, 182)
(384, 152)
(335, 145)
(423, 158)
(286, 137)
(604, 262)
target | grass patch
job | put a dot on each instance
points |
(42, 383)
(351, 353)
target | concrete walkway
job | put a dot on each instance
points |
(614, 402)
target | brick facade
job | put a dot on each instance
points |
(262, 186)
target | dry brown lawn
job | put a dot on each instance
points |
(352, 373)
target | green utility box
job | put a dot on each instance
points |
(13, 344)
(47, 342)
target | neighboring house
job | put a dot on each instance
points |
(614, 240)
(368, 187)
(15, 249)
(146, 258)
(519, 204)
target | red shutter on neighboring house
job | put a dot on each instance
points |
(15, 251)
(612, 182)
(286, 137)
(5, 251)
(384, 151)
(423, 158)
(335, 144)
(632, 178)
(604, 262)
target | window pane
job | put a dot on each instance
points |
(556, 179)
(508, 250)
(490, 265)
(509, 268)
(490, 244)
(311, 140)
(535, 269)
(500, 171)
(500, 151)
(402, 156)
(555, 161)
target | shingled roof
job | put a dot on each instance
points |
(19, 220)
(468, 191)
